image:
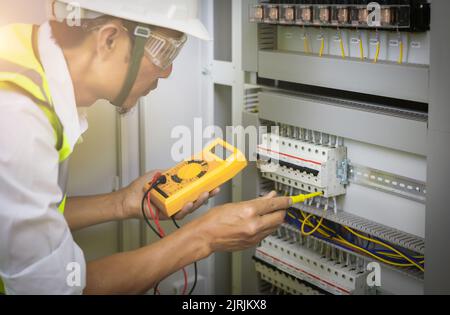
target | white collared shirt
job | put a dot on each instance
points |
(36, 245)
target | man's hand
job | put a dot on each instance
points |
(133, 194)
(239, 226)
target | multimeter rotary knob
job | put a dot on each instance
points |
(192, 170)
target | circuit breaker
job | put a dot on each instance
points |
(302, 165)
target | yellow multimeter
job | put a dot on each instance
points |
(218, 163)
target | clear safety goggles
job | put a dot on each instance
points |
(162, 49)
(163, 46)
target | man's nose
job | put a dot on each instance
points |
(167, 72)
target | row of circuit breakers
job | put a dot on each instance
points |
(401, 15)
(306, 166)
(320, 249)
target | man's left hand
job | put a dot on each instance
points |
(133, 194)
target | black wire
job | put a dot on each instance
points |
(195, 263)
(147, 220)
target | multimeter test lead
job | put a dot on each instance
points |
(303, 198)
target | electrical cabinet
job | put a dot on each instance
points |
(342, 89)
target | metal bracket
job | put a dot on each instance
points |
(342, 171)
(390, 183)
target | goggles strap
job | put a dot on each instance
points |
(141, 33)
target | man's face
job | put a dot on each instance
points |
(110, 62)
(149, 75)
(147, 81)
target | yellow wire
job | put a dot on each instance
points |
(322, 46)
(341, 240)
(314, 230)
(341, 44)
(361, 49)
(387, 246)
(377, 53)
(400, 58)
(305, 44)
(377, 257)
(398, 256)
(344, 242)
(320, 230)
(311, 225)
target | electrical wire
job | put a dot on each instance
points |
(149, 224)
(400, 57)
(318, 224)
(361, 48)
(349, 246)
(341, 45)
(305, 41)
(322, 45)
(147, 220)
(305, 44)
(334, 237)
(378, 48)
(159, 231)
(387, 246)
(155, 218)
(195, 263)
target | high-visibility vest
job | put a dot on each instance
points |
(22, 72)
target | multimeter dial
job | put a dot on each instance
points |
(191, 171)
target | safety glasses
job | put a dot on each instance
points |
(163, 45)
(163, 49)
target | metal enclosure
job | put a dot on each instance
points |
(437, 277)
(407, 143)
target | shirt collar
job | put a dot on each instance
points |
(60, 83)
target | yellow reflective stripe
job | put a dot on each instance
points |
(25, 83)
(56, 124)
(62, 206)
(62, 143)
(2, 287)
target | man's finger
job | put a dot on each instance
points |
(268, 205)
(215, 192)
(272, 220)
(187, 209)
(270, 195)
(201, 200)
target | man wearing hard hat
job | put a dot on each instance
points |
(117, 51)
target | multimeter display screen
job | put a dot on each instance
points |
(221, 152)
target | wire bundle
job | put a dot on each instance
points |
(351, 240)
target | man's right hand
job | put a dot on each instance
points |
(239, 226)
(229, 227)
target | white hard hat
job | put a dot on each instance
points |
(179, 15)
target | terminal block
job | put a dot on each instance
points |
(311, 267)
(302, 165)
(402, 15)
(283, 281)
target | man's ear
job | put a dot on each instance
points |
(107, 39)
